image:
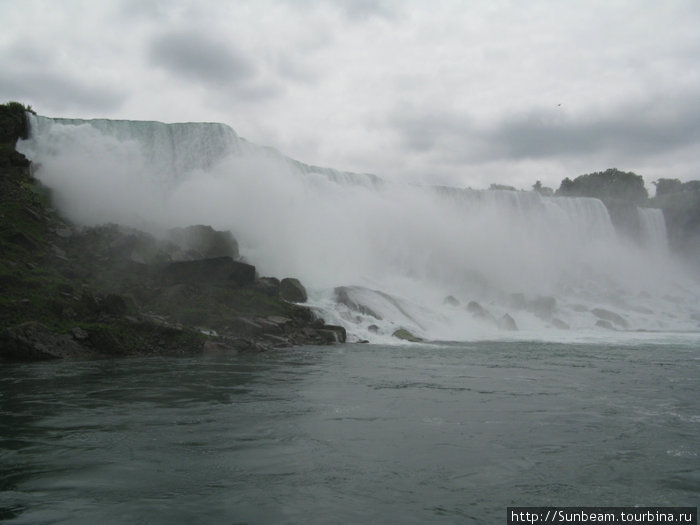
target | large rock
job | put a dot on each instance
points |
(607, 315)
(543, 307)
(269, 286)
(602, 323)
(450, 300)
(507, 323)
(292, 290)
(32, 341)
(481, 313)
(205, 241)
(561, 325)
(346, 295)
(404, 334)
(333, 333)
(217, 271)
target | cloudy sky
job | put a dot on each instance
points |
(465, 93)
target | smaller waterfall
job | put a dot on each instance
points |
(653, 228)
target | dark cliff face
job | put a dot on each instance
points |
(108, 291)
(13, 123)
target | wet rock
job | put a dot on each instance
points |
(104, 341)
(212, 346)
(607, 315)
(79, 334)
(561, 325)
(245, 326)
(344, 295)
(270, 286)
(405, 335)
(218, 270)
(205, 241)
(292, 290)
(32, 341)
(114, 304)
(450, 301)
(373, 328)
(338, 332)
(507, 323)
(481, 313)
(602, 323)
(543, 307)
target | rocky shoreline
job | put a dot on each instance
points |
(112, 291)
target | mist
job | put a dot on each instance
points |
(417, 244)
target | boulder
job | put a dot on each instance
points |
(114, 304)
(205, 241)
(373, 328)
(32, 341)
(335, 333)
(216, 271)
(507, 323)
(543, 307)
(405, 335)
(270, 286)
(344, 295)
(450, 301)
(479, 312)
(561, 325)
(292, 290)
(602, 323)
(607, 315)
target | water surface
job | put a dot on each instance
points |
(449, 433)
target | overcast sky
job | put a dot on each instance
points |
(465, 93)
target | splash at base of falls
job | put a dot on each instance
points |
(552, 264)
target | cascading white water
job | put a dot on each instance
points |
(402, 248)
(653, 228)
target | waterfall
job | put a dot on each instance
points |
(653, 228)
(412, 244)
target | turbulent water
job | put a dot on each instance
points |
(352, 434)
(400, 250)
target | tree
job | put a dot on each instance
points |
(542, 190)
(609, 185)
(501, 187)
(665, 186)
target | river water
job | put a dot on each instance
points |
(449, 433)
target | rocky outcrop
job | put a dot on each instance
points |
(607, 315)
(292, 290)
(507, 323)
(561, 325)
(32, 341)
(480, 313)
(602, 323)
(113, 291)
(345, 295)
(203, 242)
(405, 335)
(450, 301)
(542, 306)
(218, 270)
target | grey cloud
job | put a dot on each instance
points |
(422, 131)
(657, 126)
(359, 9)
(194, 56)
(636, 130)
(46, 90)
